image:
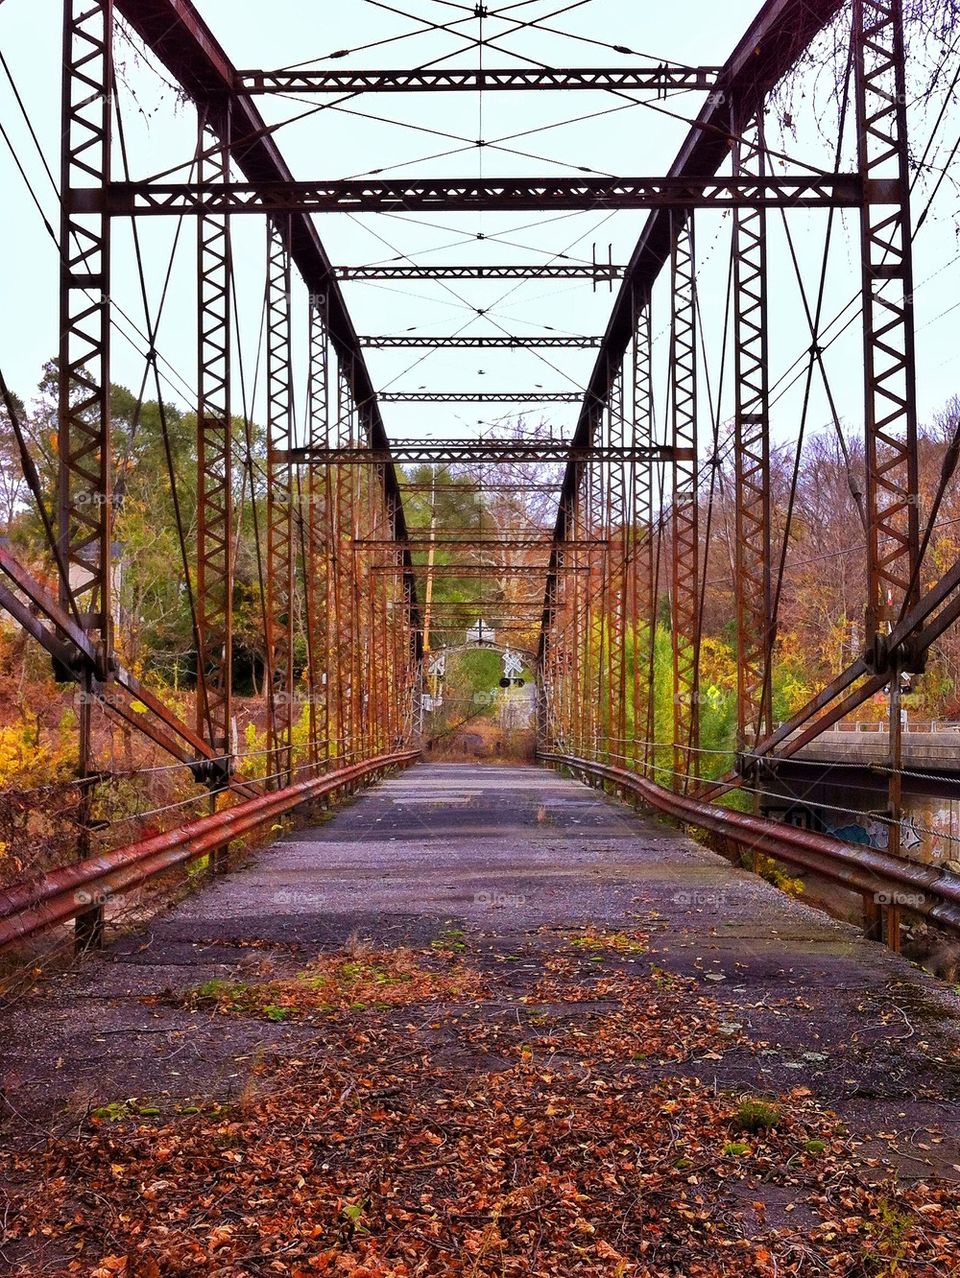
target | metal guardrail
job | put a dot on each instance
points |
(885, 881)
(35, 905)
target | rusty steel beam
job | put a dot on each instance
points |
(662, 79)
(598, 272)
(752, 581)
(76, 656)
(492, 485)
(85, 492)
(316, 569)
(685, 548)
(348, 637)
(643, 599)
(888, 335)
(478, 570)
(214, 588)
(479, 451)
(479, 397)
(85, 483)
(404, 342)
(398, 195)
(616, 519)
(935, 611)
(280, 556)
(474, 541)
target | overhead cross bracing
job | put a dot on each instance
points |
(644, 486)
(477, 452)
(404, 342)
(123, 199)
(597, 272)
(661, 79)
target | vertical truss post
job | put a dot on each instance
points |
(616, 521)
(585, 530)
(685, 601)
(643, 600)
(346, 639)
(280, 557)
(369, 485)
(317, 515)
(576, 586)
(214, 469)
(85, 482)
(411, 666)
(888, 338)
(752, 451)
(546, 686)
(336, 478)
(85, 487)
(560, 691)
(599, 595)
(890, 409)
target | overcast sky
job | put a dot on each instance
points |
(530, 134)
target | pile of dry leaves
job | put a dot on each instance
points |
(475, 1115)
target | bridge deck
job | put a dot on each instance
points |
(510, 863)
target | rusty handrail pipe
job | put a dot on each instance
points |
(934, 893)
(35, 905)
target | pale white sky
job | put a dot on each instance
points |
(345, 142)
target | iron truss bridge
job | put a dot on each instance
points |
(301, 513)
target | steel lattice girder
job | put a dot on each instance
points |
(85, 481)
(477, 570)
(280, 560)
(398, 195)
(685, 600)
(85, 493)
(643, 584)
(479, 397)
(661, 79)
(214, 590)
(888, 336)
(477, 343)
(477, 486)
(616, 519)
(752, 455)
(473, 604)
(478, 451)
(316, 566)
(533, 542)
(597, 272)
